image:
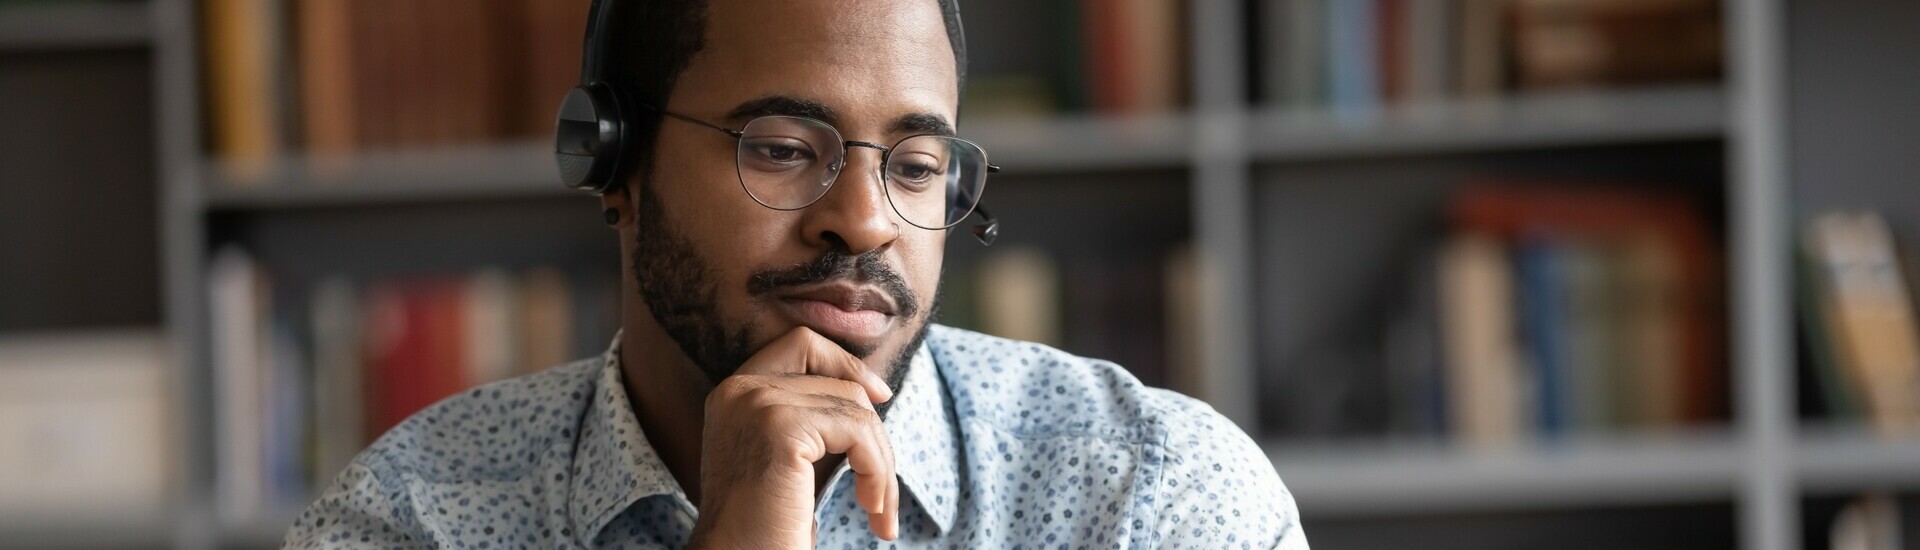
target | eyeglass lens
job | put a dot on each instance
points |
(787, 163)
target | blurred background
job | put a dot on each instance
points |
(1474, 273)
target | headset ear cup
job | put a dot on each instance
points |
(587, 138)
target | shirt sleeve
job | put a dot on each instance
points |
(356, 511)
(1218, 490)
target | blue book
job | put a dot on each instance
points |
(1543, 310)
(1353, 65)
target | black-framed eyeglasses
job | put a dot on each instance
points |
(787, 163)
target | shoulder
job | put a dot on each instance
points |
(495, 431)
(1211, 484)
(1036, 389)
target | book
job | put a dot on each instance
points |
(1569, 43)
(1868, 312)
(1156, 52)
(1837, 396)
(1482, 54)
(551, 52)
(1649, 329)
(328, 99)
(1427, 52)
(414, 356)
(243, 82)
(1875, 521)
(545, 320)
(1108, 78)
(1392, 26)
(237, 313)
(1544, 308)
(86, 425)
(1353, 68)
(338, 420)
(1305, 52)
(1485, 377)
(1019, 294)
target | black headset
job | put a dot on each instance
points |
(590, 133)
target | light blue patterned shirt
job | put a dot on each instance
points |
(1001, 444)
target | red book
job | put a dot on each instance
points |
(413, 349)
(1392, 50)
(1107, 56)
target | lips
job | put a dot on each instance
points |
(843, 311)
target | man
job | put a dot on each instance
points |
(778, 382)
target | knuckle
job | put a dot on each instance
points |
(774, 415)
(761, 396)
(729, 389)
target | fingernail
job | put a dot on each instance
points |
(881, 383)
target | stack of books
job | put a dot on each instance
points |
(335, 76)
(1116, 57)
(1358, 55)
(1546, 311)
(306, 375)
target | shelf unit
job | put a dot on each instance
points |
(75, 26)
(1410, 478)
(1758, 463)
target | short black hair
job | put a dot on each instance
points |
(653, 41)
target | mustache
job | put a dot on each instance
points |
(834, 265)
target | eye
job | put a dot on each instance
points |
(915, 170)
(778, 153)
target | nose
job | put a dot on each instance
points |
(854, 214)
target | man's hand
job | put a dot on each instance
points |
(796, 401)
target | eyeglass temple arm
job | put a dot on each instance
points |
(691, 120)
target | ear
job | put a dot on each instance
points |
(619, 204)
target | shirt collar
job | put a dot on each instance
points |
(926, 441)
(616, 466)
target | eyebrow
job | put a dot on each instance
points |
(921, 123)
(781, 105)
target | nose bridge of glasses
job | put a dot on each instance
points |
(846, 156)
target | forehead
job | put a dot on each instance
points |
(878, 58)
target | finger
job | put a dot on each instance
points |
(885, 522)
(826, 392)
(888, 524)
(893, 492)
(803, 351)
(855, 433)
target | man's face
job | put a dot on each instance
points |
(724, 275)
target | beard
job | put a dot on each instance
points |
(682, 292)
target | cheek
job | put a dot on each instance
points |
(704, 203)
(923, 261)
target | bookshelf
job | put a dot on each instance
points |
(1348, 481)
(73, 26)
(1536, 120)
(1218, 172)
